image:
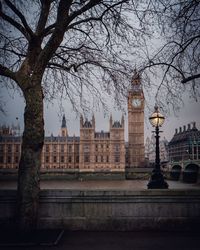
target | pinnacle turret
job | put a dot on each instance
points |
(63, 122)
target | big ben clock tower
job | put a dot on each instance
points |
(136, 122)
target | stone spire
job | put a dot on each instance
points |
(64, 131)
(93, 121)
(81, 121)
(136, 77)
(111, 121)
(63, 122)
(122, 121)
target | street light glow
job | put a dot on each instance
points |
(156, 119)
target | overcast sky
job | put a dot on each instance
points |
(14, 107)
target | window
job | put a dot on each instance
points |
(77, 148)
(62, 158)
(96, 158)
(198, 152)
(17, 148)
(101, 158)
(54, 148)
(117, 158)
(116, 148)
(9, 159)
(16, 159)
(77, 159)
(1, 148)
(9, 147)
(117, 134)
(54, 159)
(195, 152)
(70, 148)
(107, 158)
(96, 147)
(47, 148)
(47, 159)
(62, 148)
(86, 148)
(70, 159)
(86, 158)
(1, 159)
(86, 134)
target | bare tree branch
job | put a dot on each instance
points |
(175, 61)
(188, 79)
(20, 15)
(45, 8)
(15, 24)
(6, 72)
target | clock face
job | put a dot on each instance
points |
(136, 102)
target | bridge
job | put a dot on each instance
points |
(187, 170)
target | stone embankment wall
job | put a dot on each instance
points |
(111, 210)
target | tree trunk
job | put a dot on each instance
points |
(30, 162)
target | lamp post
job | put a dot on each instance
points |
(157, 179)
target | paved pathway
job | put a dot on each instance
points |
(100, 184)
(123, 241)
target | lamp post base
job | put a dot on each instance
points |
(157, 181)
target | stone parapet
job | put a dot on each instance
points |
(120, 210)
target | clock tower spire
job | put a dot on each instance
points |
(136, 122)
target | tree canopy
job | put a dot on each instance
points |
(177, 55)
(95, 54)
(102, 43)
(77, 49)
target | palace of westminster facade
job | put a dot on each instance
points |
(92, 151)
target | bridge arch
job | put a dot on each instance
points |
(192, 166)
(190, 173)
(175, 172)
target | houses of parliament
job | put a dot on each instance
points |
(92, 151)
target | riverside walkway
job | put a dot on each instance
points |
(100, 184)
(126, 240)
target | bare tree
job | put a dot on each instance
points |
(57, 46)
(176, 27)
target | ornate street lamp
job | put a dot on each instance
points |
(157, 179)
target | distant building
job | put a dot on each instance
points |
(185, 144)
(10, 148)
(93, 151)
(136, 104)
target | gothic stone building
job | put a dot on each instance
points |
(92, 151)
(136, 123)
(184, 154)
(185, 145)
